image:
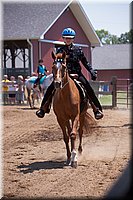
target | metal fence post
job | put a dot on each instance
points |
(114, 91)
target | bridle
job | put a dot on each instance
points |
(59, 70)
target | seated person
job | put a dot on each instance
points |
(41, 71)
(74, 56)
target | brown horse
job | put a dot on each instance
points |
(66, 106)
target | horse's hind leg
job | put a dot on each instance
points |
(81, 133)
(28, 98)
(80, 139)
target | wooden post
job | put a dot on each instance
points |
(114, 91)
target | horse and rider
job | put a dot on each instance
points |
(37, 84)
(74, 55)
(42, 72)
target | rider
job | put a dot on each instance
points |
(74, 56)
(41, 71)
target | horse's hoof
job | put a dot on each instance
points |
(80, 150)
(32, 107)
(74, 164)
(68, 162)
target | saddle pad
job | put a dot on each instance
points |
(33, 78)
(81, 89)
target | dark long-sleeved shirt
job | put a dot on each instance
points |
(74, 56)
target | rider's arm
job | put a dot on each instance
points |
(86, 64)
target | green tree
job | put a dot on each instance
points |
(114, 39)
(130, 36)
(124, 38)
(103, 36)
(106, 38)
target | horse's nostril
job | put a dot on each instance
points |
(57, 84)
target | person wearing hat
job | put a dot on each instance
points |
(20, 89)
(5, 87)
(5, 80)
(75, 55)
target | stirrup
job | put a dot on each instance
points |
(98, 114)
(40, 113)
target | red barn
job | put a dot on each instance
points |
(112, 60)
(31, 31)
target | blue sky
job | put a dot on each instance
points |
(111, 16)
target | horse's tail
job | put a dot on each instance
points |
(88, 122)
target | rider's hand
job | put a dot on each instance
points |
(93, 74)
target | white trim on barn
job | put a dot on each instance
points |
(85, 23)
(82, 19)
(42, 35)
(61, 43)
(54, 42)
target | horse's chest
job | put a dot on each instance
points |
(64, 107)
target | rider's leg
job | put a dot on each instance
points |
(83, 96)
(96, 106)
(36, 82)
(46, 102)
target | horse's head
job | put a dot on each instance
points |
(59, 68)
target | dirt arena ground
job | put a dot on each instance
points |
(34, 155)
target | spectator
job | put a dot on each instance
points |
(5, 83)
(20, 89)
(5, 80)
(12, 90)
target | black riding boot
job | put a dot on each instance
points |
(95, 104)
(46, 102)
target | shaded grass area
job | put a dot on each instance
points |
(123, 99)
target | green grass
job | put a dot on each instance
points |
(107, 99)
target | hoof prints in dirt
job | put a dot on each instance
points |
(48, 136)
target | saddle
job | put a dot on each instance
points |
(82, 92)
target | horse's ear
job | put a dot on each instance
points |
(53, 55)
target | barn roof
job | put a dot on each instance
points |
(31, 20)
(112, 57)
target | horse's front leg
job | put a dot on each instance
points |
(73, 141)
(66, 139)
(75, 122)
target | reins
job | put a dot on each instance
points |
(67, 77)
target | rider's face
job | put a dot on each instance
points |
(68, 41)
